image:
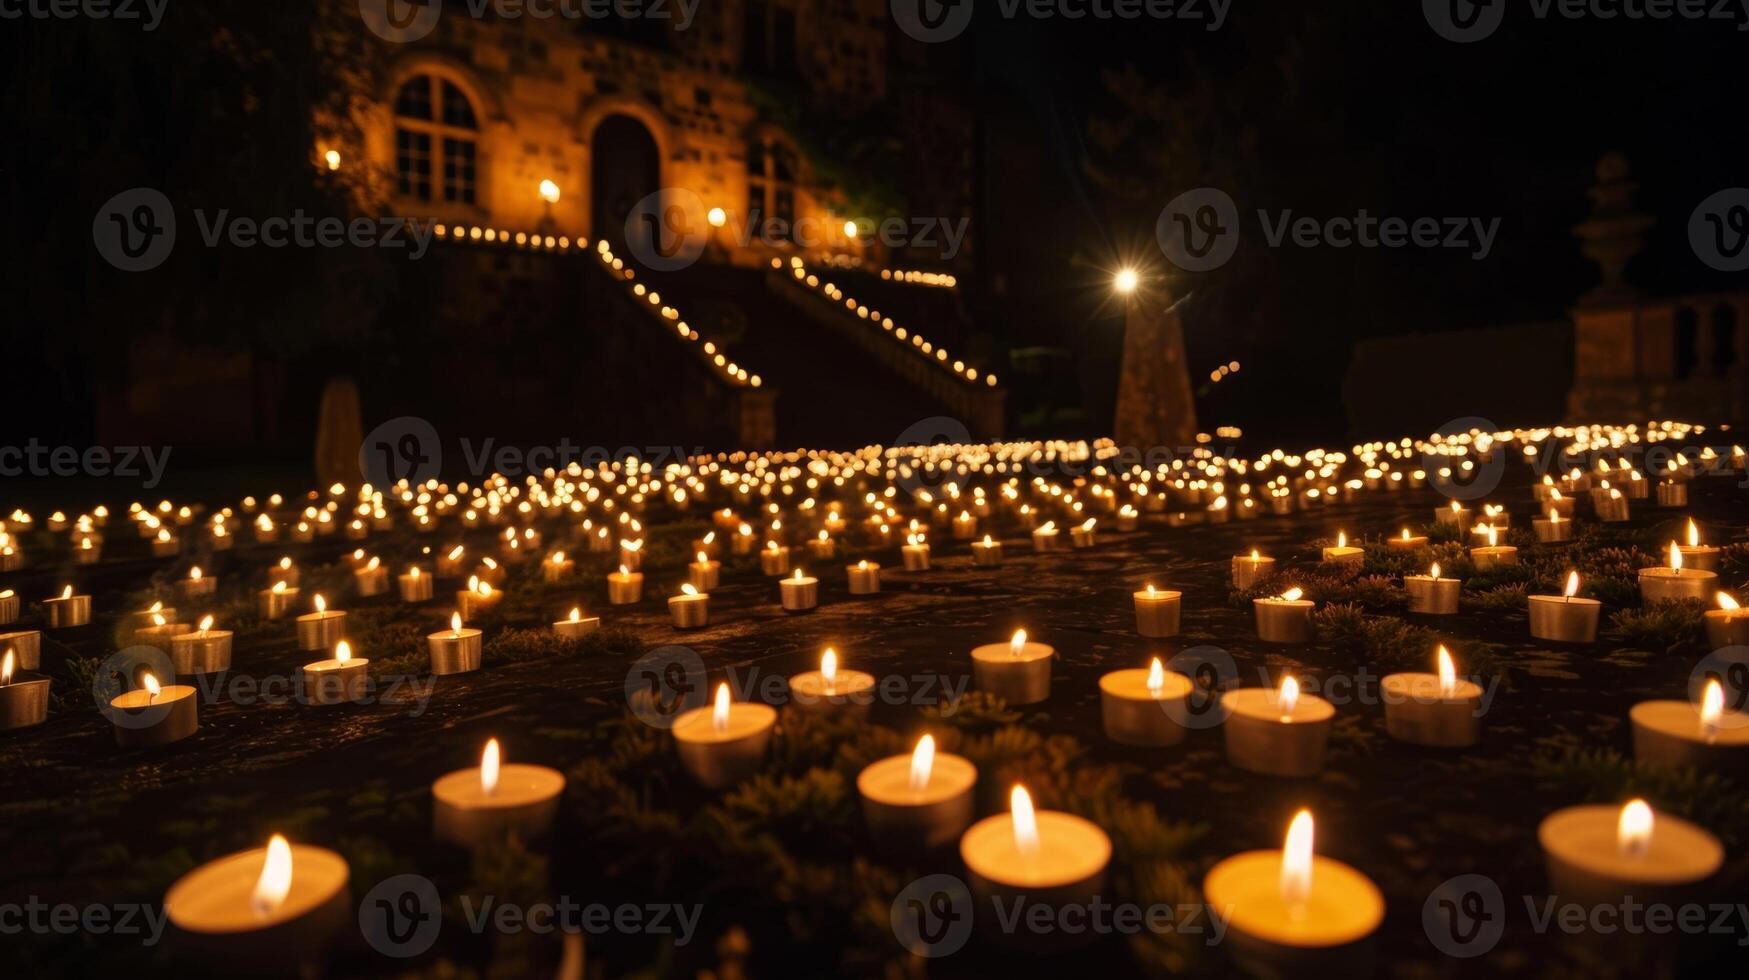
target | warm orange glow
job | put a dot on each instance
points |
(1712, 707)
(1156, 677)
(6, 666)
(194, 573)
(1342, 538)
(489, 765)
(829, 669)
(1025, 821)
(1693, 534)
(1018, 643)
(1447, 673)
(1675, 557)
(720, 711)
(576, 614)
(1572, 583)
(1288, 696)
(1727, 603)
(206, 623)
(1633, 830)
(274, 883)
(922, 763)
(320, 603)
(152, 687)
(455, 624)
(1433, 571)
(1292, 595)
(1296, 860)
(67, 593)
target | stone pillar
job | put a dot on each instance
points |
(1154, 403)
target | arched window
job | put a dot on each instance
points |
(431, 112)
(771, 184)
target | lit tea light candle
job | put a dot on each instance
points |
(1672, 493)
(1432, 594)
(320, 630)
(987, 553)
(691, 609)
(1018, 671)
(1599, 854)
(9, 606)
(1675, 582)
(1405, 542)
(915, 553)
(1043, 857)
(67, 610)
(1565, 618)
(704, 573)
(1552, 530)
(338, 680)
(1145, 706)
(160, 633)
(1493, 553)
(371, 578)
(1128, 518)
(917, 802)
(1454, 513)
(165, 544)
(473, 806)
(557, 567)
(631, 554)
(450, 562)
(847, 693)
(1081, 535)
(1728, 625)
(415, 585)
(198, 585)
(1293, 912)
(1157, 612)
(455, 650)
(1704, 737)
(275, 601)
(965, 526)
(1697, 555)
(204, 651)
(1611, 507)
(1248, 570)
(153, 714)
(575, 626)
(24, 698)
(1277, 731)
(724, 742)
(799, 592)
(864, 577)
(1440, 710)
(1045, 537)
(774, 559)
(285, 571)
(1343, 552)
(625, 586)
(280, 905)
(822, 547)
(1284, 618)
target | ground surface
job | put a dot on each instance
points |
(781, 869)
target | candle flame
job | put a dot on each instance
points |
(922, 763)
(194, 574)
(1447, 673)
(1493, 536)
(1572, 583)
(1693, 534)
(1255, 556)
(1675, 557)
(720, 711)
(6, 665)
(829, 669)
(1150, 590)
(1727, 603)
(703, 558)
(343, 652)
(1288, 696)
(687, 589)
(206, 623)
(798, 575)
(274, 883)
(279, 587)
(1434, 570)
(1342, 538)
(1712, 707)
(1292, 595)
(1456, 507)
(157, 619)
(489, 765)
(321, 603)
(1296, 860)
(455, 623)
(67, 593)
(1018, 643)
(1156, 677)
(152, 687)
(576, 614)
(1405, 534)
(413, 572)
(455, 553)
(987, 542)
(623, 570)
(1049, 527)
(1554, 516)
(1633, 829)
(1025, 821)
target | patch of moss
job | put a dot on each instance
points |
(1667, 627)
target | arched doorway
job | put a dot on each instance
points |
(625, 167)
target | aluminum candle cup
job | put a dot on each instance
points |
(864, 578)
(908, 817)
(204, 651)
(1328, 934)
(558, 571)
(704, 575)
(524, 801)
(9, 606)
(274, 604)
(339, 680)
(690, 611)
(215, 914)
(1065, 867)
(1432, 596)
(27, 644)
(1019, 673)
(320, 630)
(848, 696)
(720, 757)
(1283, 620)
(1404, 543)
(987, 553)
(1490, 556)
(1046, 538)
(1672, 494)
(1666, 584)
(1136, 714)
(66, 612)
(799, 593)
(774, 561)
(143, 720)
(1563, 619)
(1264, 738)
(1418, 712)
(823, 549)
(1673, 735)
(577, 626)
(371, 580)
(24, 700)
(625, 587)
(1611, 509)
(415, 585)
(455, 651)
(1724, 628)
(915, 557)
(1549, 531)
(1081, 536)
(1452, 514)
(1248, 570)
(1157, 612)
(197, 587)
(1586, 864)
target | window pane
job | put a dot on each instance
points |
(413, 164)
(458, 170)
(414, 101)
(456, 110)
